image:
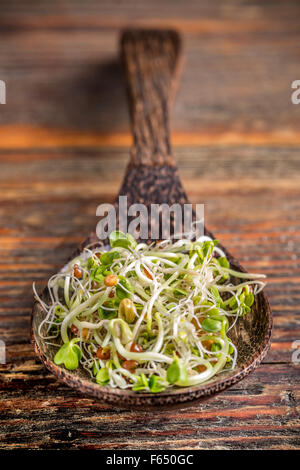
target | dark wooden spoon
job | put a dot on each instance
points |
(151, 64)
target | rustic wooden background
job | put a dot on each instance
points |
(64, 139)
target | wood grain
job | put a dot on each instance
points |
(150, 61)
(64, 145)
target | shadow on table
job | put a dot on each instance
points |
(94, 98)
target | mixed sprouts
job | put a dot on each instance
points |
(147, 318)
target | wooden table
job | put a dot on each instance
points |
(64, 139)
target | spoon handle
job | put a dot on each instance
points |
(150, 61)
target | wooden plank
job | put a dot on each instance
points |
(27, 137)
(260, 412)
(101, 13)
(71, 72)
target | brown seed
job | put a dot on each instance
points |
(85, 333)
(103, 353)
(196, 324)
(127, 310)
(98, 254)
(77, 271)
(207, 344)
(94, 285)
(135, 347)
(74, 330)
(110, 280)
(121, 357)
(201, 368)
(130, 366)
(148, 274)
(111, 294)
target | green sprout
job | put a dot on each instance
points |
(119, 239)
(102, 377)
(69, 355)
(124, 288)
(141, 384)
(211, 326)
(177, 372)
(156, 384)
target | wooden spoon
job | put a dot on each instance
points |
(151, 64)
